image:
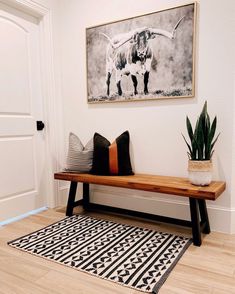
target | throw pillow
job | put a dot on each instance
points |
(111, 159)
(79, 158)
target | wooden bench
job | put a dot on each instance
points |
(161, 184)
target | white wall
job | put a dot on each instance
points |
(155, 126)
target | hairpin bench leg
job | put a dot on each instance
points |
(196, 229)
(72, 194)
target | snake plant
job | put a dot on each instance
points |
(202, 140)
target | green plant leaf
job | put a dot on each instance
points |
(208, 120)
(189, 147)
(212, 144)
(204, 109)
(189, 128)
(194, 149)
(203, 116)
(211, 154)
(200, 138)
(206, 138)
(196, 128)
(212, 130)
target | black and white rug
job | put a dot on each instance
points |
(134, 257)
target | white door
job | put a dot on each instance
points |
(22, 147)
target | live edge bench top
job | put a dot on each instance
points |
(152, 183)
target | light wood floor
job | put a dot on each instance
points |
(206, 269)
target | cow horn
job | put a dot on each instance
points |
(107, 37)
(166, 33)
(117, 42)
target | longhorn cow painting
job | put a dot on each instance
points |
(142, 58)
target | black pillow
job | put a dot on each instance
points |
(111, 159)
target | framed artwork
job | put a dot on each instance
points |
(142, 58)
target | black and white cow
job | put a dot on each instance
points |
(131, 53)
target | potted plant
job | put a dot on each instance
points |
(201, 148)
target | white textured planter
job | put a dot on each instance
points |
(200, 172)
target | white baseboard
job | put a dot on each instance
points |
(64, 192)
(222, 219)
(62, 196)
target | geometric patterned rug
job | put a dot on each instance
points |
(135, 257)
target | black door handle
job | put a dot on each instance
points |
(40, 125)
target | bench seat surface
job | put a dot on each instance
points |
(153, 183)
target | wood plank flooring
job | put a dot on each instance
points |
(208, 269)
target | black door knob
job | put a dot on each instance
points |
(40, 125)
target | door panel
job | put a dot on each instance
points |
(15, 125)
(14, 75)
(17, 168)
(22, 148)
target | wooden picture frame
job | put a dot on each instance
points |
(143, 58)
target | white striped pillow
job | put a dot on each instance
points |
(79, 158)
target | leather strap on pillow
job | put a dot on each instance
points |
(111, 159)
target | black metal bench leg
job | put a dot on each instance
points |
(72, 194)
(204, 216)
(86, 195)
(196, 229)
